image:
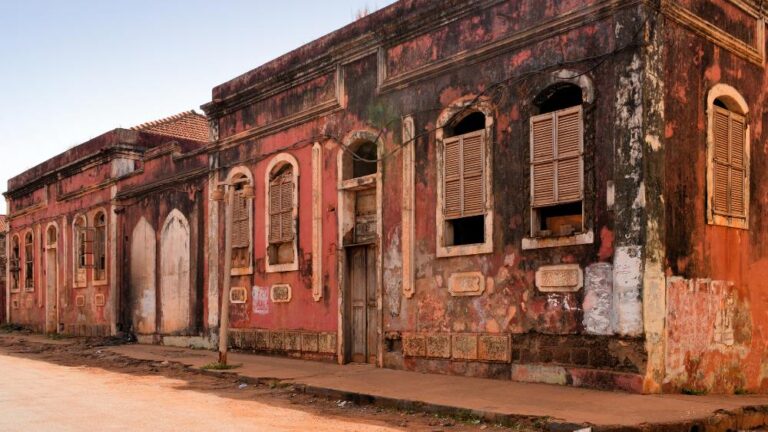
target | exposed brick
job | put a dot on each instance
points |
(493, 348)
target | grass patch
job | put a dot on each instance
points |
(219, 366)
(10, 327)
(55, 336)
(692, 391)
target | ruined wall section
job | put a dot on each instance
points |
(716, 289)
(161, 218)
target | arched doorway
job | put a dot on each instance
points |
(51, 280)
(142, 278)
(174, 274)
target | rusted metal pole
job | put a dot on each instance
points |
(224, 318)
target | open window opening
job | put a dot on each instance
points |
(364, 162)
(82, 250)
(15, 265)
(557, 164)
(29, 262)
(464, 180)
(99, 247)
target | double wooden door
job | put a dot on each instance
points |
(362, 329)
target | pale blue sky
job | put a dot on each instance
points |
(71, 70)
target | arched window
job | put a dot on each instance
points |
(81, 250)
(51, 236)
(360, 159)
(728, 158)
(464, 174)
(100, 247)
(557, 162)
(282, 205)
(29, 262)
(15, 264)
(465, 196)
(242, 221)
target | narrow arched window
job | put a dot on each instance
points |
(81, 250)
(29, 262)
(464, 182)
(282, 204)
(728, 158)
(241, 224)
(557, 162)
(100, 247)
(15, 264)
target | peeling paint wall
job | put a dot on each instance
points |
(716, 274)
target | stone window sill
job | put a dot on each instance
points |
(530, 243)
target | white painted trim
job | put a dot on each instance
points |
(460, 105)
(275, 163)
(317, 221)
(737, 104)
(408, 210)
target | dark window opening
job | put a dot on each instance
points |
(560, 220)
(365, 161)
(465, 231)
(559, 97)
(720, 104)
(470, 123)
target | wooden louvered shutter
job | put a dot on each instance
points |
(543, 160)
(241, 230)
(738, 166)
(557, 173)
(281, 207)
(464, 175)
(728, 163)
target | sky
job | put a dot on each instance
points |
(72, 70)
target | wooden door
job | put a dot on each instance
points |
(362, 329)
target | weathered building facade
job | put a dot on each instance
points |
(553, 191)
(67, 221)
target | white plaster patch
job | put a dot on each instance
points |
(260, 300)
(627, 318)
(653, 141)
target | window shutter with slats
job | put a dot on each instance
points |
(281, 191)
(464, 175)
(557, 166)
(729, 168)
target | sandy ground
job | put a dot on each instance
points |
(65, 387)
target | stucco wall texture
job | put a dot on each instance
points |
(646, 296)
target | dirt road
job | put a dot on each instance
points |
(65, 386)
(39, 396)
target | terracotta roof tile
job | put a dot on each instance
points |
(186, 125)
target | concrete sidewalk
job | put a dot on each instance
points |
(495, 400)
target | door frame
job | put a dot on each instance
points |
(51, 291)
(346, 218)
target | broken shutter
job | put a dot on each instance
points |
(728, 163)
(464, 175)
(281, 207)
(557, 165)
